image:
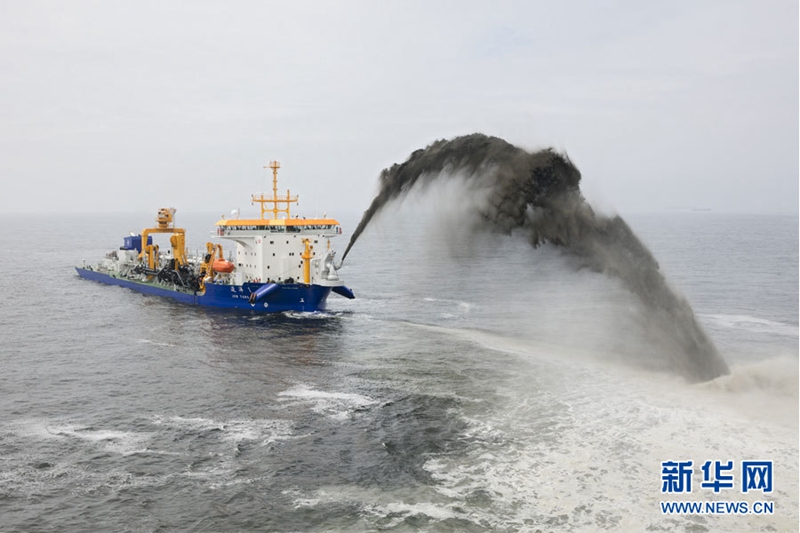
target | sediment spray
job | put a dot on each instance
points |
(537, 195)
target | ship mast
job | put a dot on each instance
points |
(275, 201)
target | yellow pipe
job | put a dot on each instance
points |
(307, 261)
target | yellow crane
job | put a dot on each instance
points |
(165, 224)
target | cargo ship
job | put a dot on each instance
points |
(276, 263)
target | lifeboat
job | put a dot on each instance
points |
(222, 266)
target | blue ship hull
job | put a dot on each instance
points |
(290, 297)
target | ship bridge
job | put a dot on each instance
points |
(234, 227)
(279, 247)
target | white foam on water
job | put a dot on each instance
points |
(609, 450)
(403, 510)
(299, 499)
(148, 341)
(117, 480)
(306, 315)
(389, 509)
(59, 477)
(36, 428)
(751, 323)
(263, 431)
(115, 441)
(195, 423)
(302, 391)
(337, 405)
(580, 444)
(53, 469)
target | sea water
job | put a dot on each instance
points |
(475, 384)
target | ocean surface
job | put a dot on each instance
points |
(475, 384)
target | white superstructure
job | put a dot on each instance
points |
(279, 248)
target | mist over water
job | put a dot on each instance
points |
(536, 196)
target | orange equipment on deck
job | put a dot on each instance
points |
(221, 265)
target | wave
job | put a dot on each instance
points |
(750, 323)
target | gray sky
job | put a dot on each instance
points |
(131, 106)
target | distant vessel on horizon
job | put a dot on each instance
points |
(281, 263)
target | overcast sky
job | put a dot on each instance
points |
(130, 106)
